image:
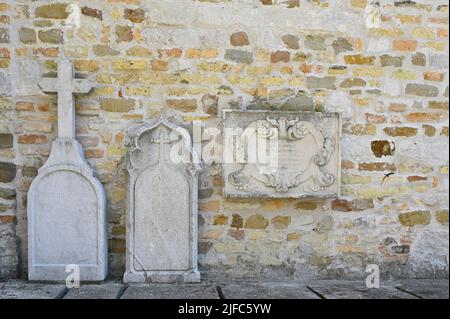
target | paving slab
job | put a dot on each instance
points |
(15, 289)
(267, 290)
(426, 289)
(168, 291)
(102, 291)
(357, 290)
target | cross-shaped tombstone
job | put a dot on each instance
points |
(65, 86)
(66, 202)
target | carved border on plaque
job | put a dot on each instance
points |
(287, 127)
(136, 164)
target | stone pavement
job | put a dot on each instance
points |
(331, 289)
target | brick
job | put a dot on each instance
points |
(32, 139)
(433, 76)
(239, 39)
(256, 222)
(52, 11)
(404, 45)
(442, 217)
(369, 71)
(410, 19)
(237, 234)
(134, 15)
(86, 65)
(6, 219)
(382, 148)
(429, 130)
(418, 59)
(306, 205)
(315, 42)
(401, 131)
(6, 141)
(130, 65)
(359, 59)
(355, 205)
(397, 107)
(380, 167)
(184, 105)
(104, 50)
(239, 56)
(423, 33)
(375, 118)
(281, 56)
(412, 179)
(220, 220)
(404, 75)
(342, 45)
(124, 33)
(424, 117)
(210, 104)
(415, 218)
(291, 41)
(359, 4)
(438, 105)
(201, 53)
(8, 172)
(422, 90)
(94, 153)
(117, 105)
(281, 222)
(27, 35)
(7, 193)
(237, 221)
(321, 83)
(93, 13)
(159, 65)
(54, 36)
(389, 60)
(353, 82)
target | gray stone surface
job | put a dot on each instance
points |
(267, 290)
(102, 291)
(426, 289)
(357, 290)
(167, 291)
(15, 289)
(162, 219)
(329, 289)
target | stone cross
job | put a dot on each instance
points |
(163, 140)
(65, 86)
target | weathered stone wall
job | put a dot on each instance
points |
(387, 73)
(8, 240)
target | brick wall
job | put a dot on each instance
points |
(8, 170)
(387, 73)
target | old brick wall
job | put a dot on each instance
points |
(9, 260)
(193, 59)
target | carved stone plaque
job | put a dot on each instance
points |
(162, 217)
(281, 154)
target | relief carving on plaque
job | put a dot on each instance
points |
(281, 154)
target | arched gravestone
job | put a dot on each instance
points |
(162, 227)
(66, 203)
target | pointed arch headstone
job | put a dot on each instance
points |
(162, 226)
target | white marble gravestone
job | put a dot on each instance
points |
(280, 154)
(162, 227)
(66, 203)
